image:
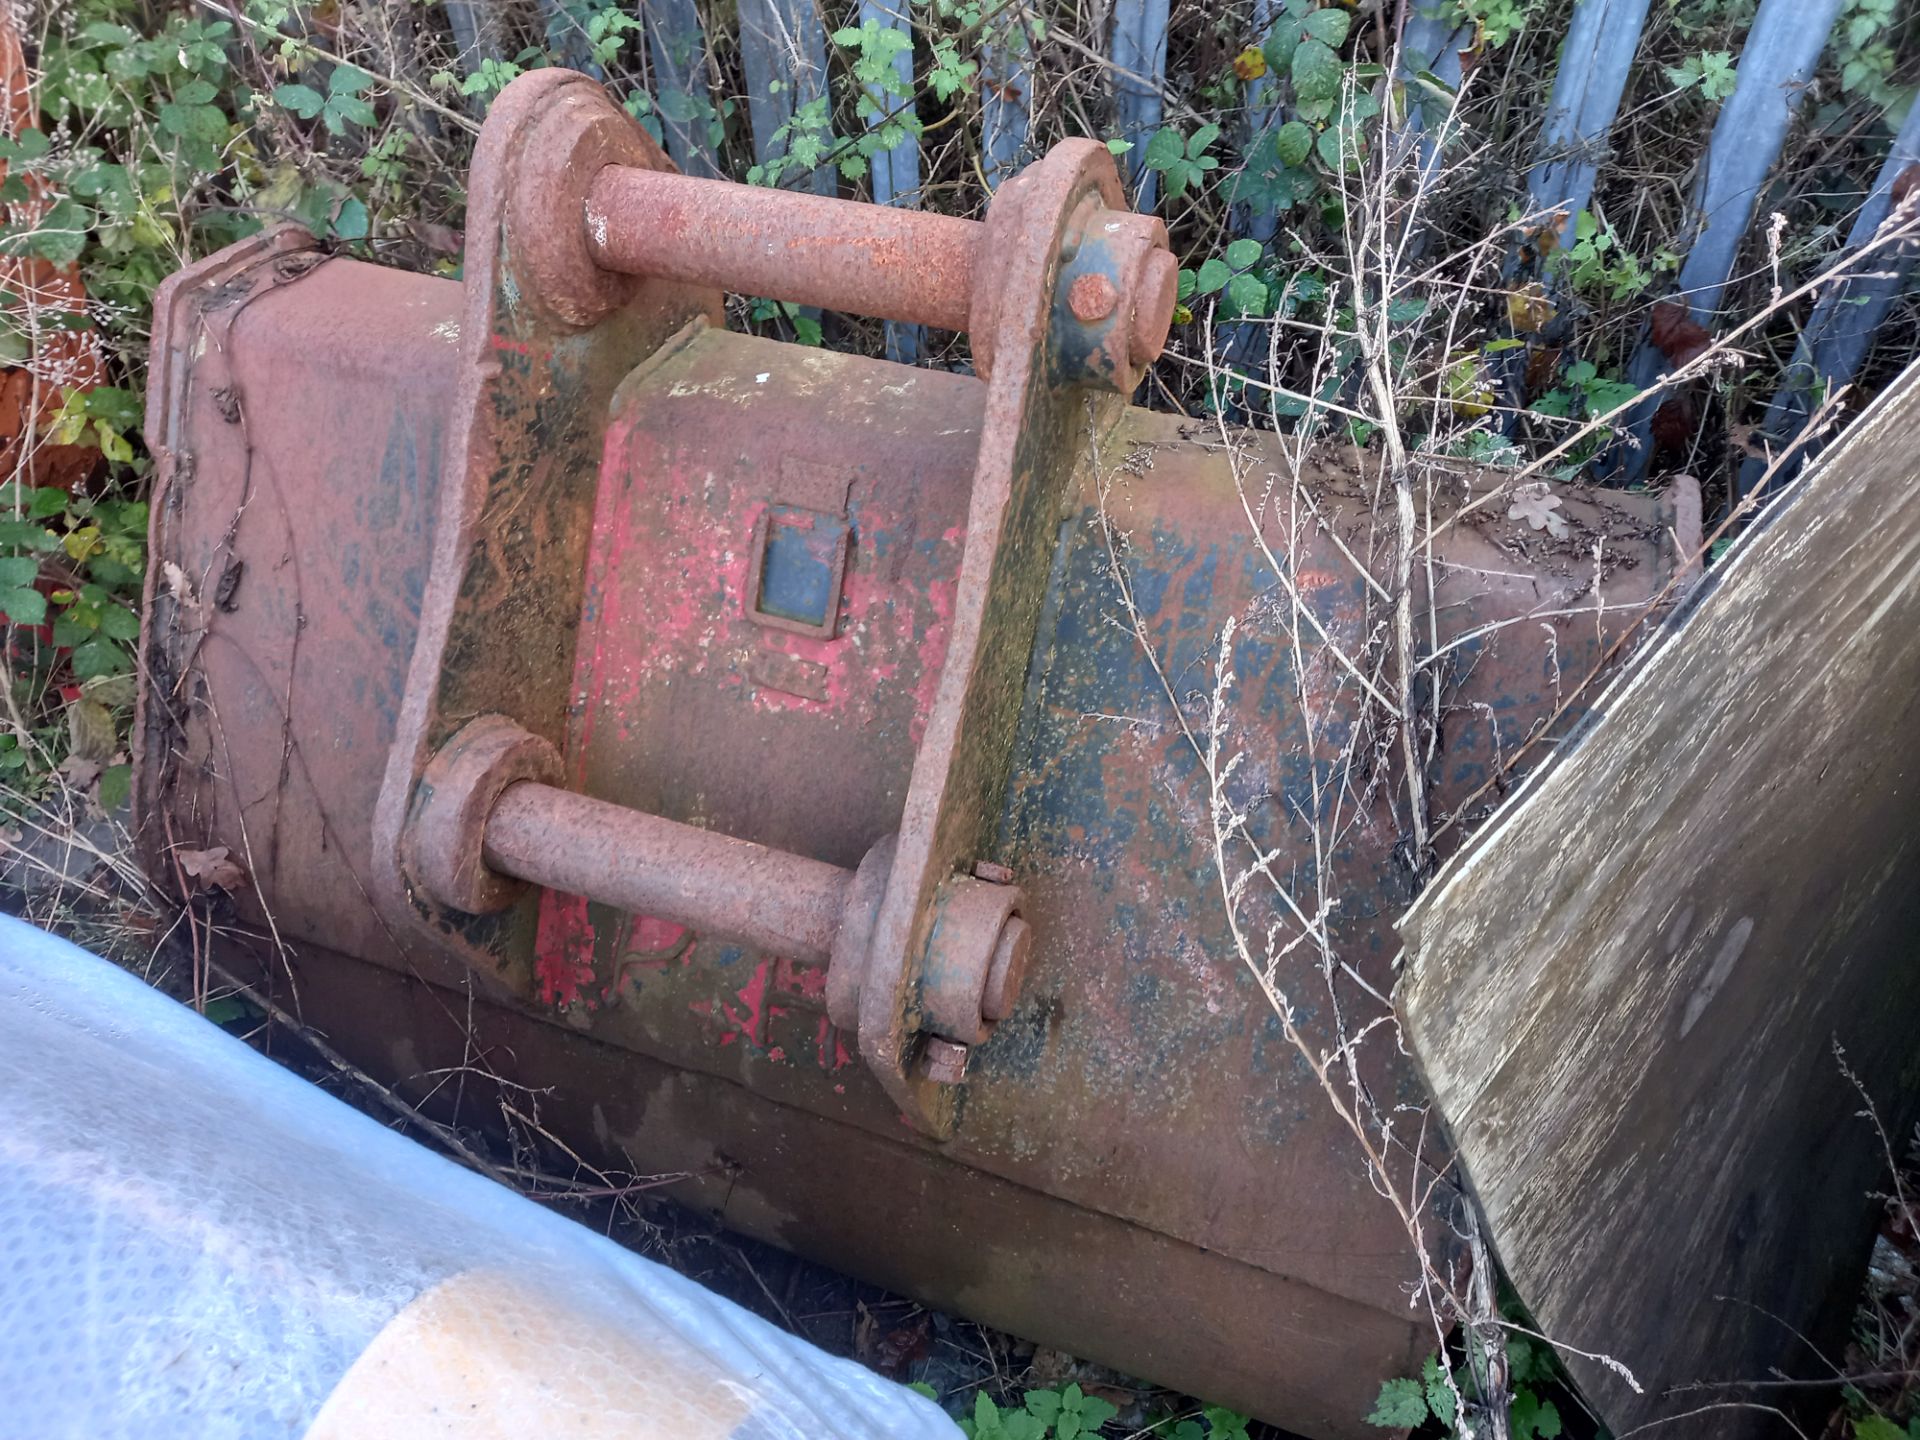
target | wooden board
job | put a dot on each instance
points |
(1626, 992)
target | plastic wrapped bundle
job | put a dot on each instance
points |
(196, 1243)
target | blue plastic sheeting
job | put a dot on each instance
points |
(197, 1244)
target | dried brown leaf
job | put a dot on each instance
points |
(213, 868)
(1536, 505)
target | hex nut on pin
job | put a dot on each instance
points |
(1092, 298)
(946, 1061)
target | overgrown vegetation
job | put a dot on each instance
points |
(1459, 327)
(168, 130)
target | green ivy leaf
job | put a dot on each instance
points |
(1531, 1418)
(1329, 26)
(23, 607)
(1043, 1404)
(60, 235)
(1095, 1412)
(1400, 1406)
(347, 108)
(119, 623)
(1316, 71)
(1332, 152)
(1279, 47)
(1165, 149)
(348, 80)
(101, 33)
(302, 100)
(350, 222)
(116, 787)
(23, 535)
(1202, 138)
(30, 145)
(1292, 143)
(18, 571)
(119, 408)
(98, 657)
(1214, 273)
(1439, 1397)
(1247, 294)
(1226, 1424)
(1243, 254)
(206, 124)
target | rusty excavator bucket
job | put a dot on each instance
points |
(793, 754)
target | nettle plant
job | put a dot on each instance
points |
(870, 87)
(1435, 1396)
(1072, 1414)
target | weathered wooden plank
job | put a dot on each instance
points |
(1595, 60)
(783, 55)
(677, 47)
(1140, 59)
(1845, 317)
(1624, 994)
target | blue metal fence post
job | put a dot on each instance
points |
(1776, 63)
(678, 49)
(894, 173)
(783, 55)
(1140, 53)
(1006, 95)
(1844, 319)
(1595, 60)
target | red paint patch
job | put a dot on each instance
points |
(563, 947)
(750, 1018)
(807, 981)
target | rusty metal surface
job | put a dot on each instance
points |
(268, 719)
(770, 899)
(545, 337)
(895, 1212)
(1025, 458)
(461, 786)
(1116, 278)
(948, 669)
(1090, 1127)
(877, 260)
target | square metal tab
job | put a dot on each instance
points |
(799, 563)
